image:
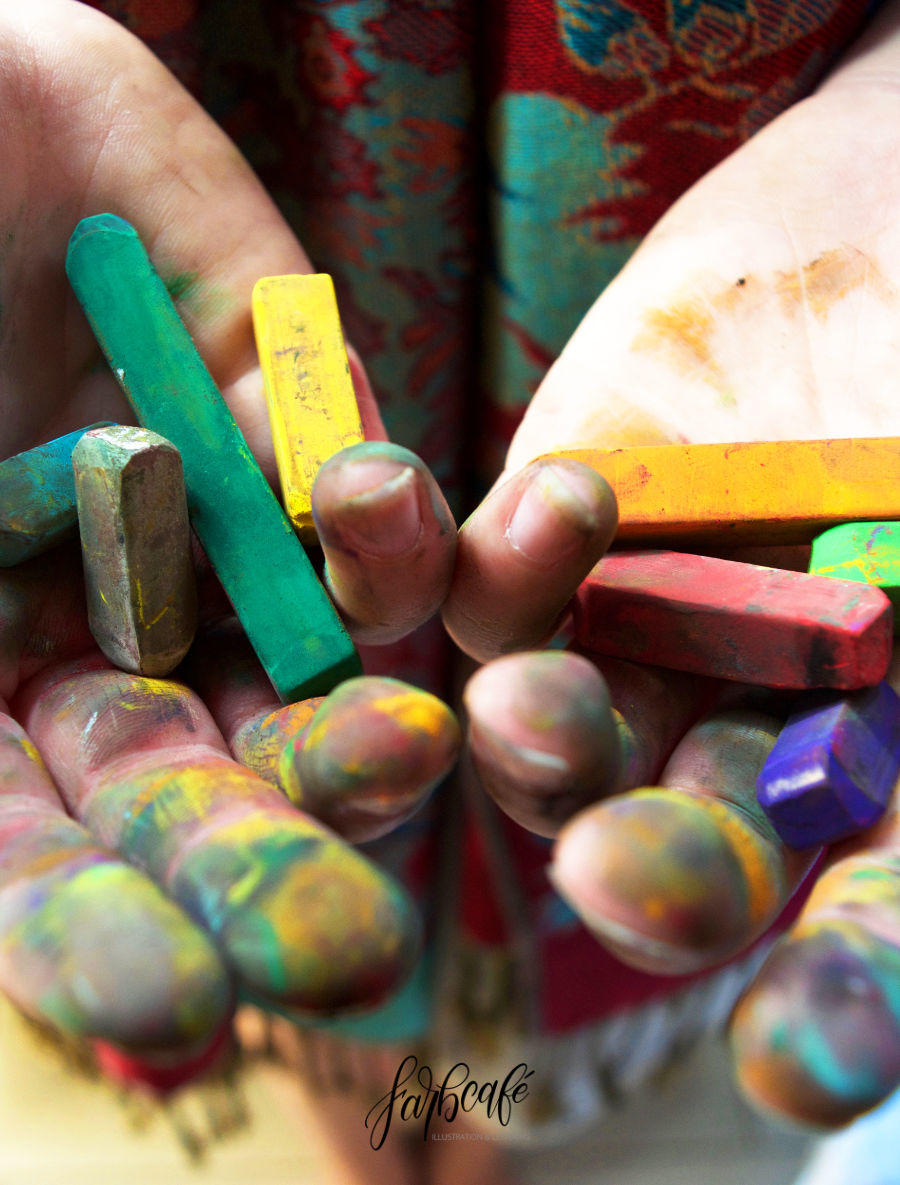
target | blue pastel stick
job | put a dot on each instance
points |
(37, 498)
(833, 768)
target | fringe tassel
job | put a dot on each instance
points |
(200, 1113)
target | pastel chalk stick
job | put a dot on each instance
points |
(285, 611)
(867, 552)
(734, 621)
(772, 492)
(136, 546)
(37, 499)
(308, 385)
(833, 768)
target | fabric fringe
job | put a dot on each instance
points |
(199, 1114)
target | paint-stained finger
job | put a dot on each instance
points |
(42, 616)
(298, 915)
(388, 536)
(551, 732)
(678, 877)
(653, 709)
(88, 944)
(223, 669)
(817, 1036)
(363, 759)
(543, 736)
(523, 553)
(370, 756)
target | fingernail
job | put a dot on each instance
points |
(527, 763)
(384, 521)
(557, 514)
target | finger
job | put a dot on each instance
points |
(299, 916)
(88, 944)
(222, 667)
(363, 760)
(388, 536)
(371, 755)
(677, 878)
(653, 708)
(42, 616)
(543, 736)
(551, 732)
(817, 1036)
(523, 553)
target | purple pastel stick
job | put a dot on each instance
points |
(833, 768)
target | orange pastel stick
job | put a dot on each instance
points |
(783, 491)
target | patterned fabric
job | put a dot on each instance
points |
(472, 175)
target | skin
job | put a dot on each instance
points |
(289, 905)
(96, 157)
(63, 951)
(679, 877)
(174, 186)
(363, 759)
(762, 306)
(791, 241)
(73, 146)
(557, 731)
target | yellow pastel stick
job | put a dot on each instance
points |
(309, 391)
(783, 491)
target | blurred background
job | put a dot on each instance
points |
(60, 1128)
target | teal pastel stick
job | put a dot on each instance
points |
(37, 498)
(285, 611)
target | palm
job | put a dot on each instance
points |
(93, 123)
(763, 306)
(120, 135)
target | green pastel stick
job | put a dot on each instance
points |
(285, 611)
(37, 498)
(865, 552)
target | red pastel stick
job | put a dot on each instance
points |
(735, 621)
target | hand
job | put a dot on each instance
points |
(763, 306)
(92, 123)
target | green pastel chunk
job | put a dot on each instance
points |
(865, 552)
(285, 611)
(136, 544)
(37, 499)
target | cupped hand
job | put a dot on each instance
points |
(762, 307)
(186, 878)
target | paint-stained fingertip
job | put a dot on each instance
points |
(816, 1039)
(371, 756)
(543, 736)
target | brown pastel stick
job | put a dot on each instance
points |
(135, 540)
(735, 621)
(771, 492)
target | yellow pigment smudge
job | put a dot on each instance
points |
(762, 872)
